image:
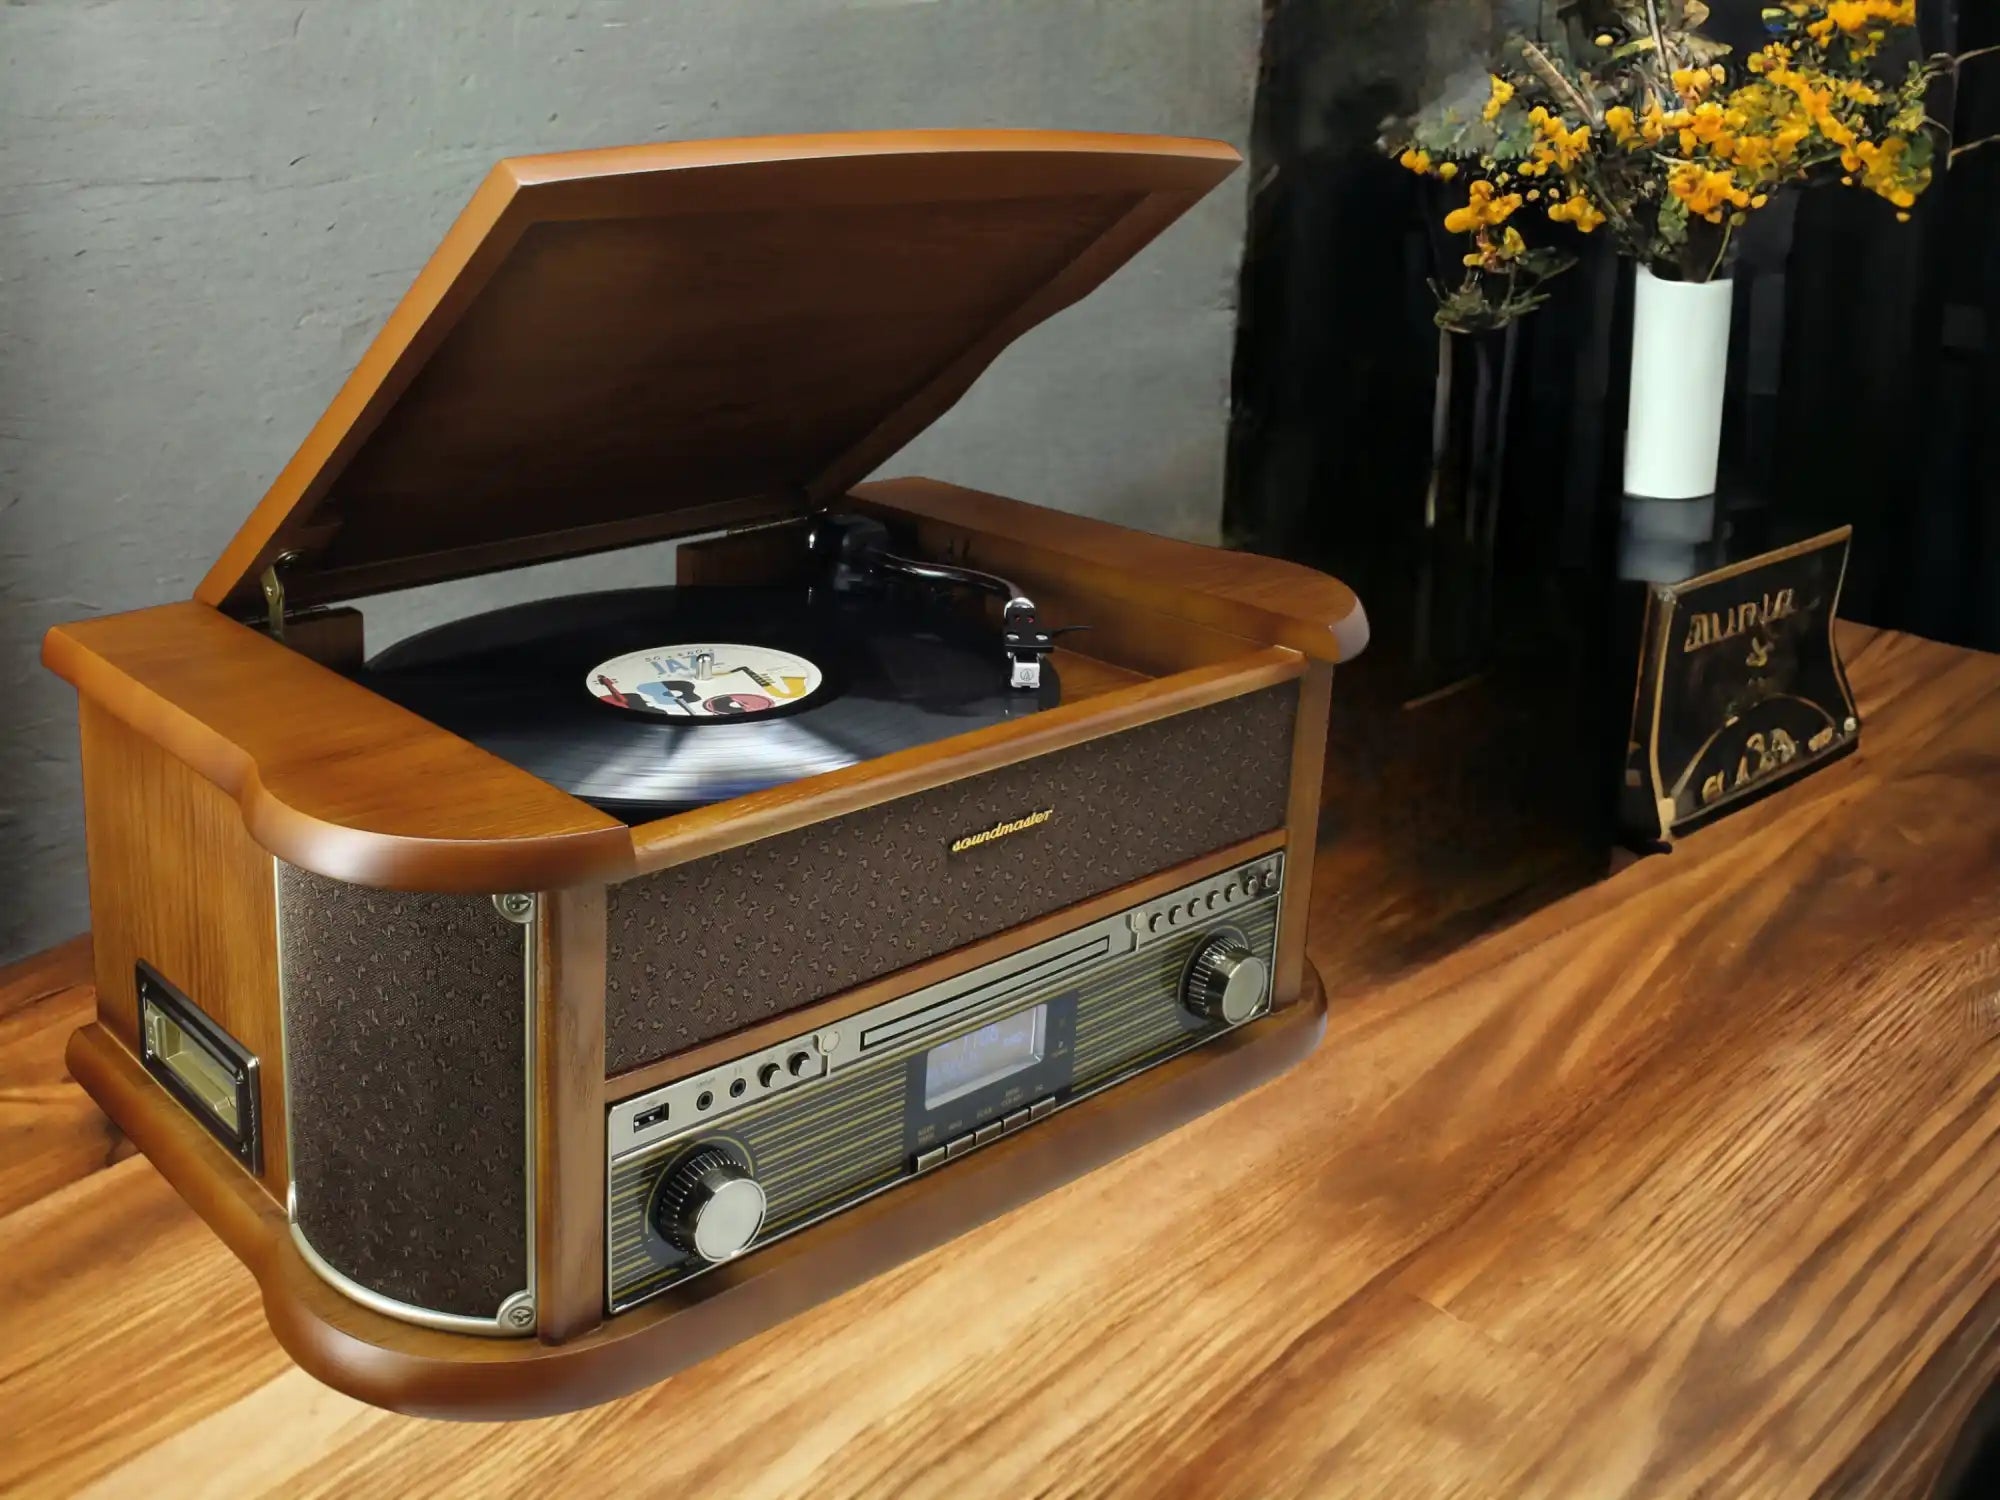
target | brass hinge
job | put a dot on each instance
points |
(274, 594)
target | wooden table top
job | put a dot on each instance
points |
(1688, 1184)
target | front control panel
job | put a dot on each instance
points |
(720, 1163)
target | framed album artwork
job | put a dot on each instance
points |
(1740, 690)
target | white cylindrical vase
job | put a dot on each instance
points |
(1680, 361)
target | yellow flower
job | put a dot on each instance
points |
(1417, 161)
(1492, 254)
(1577, 210)
(1447, 170)
(1712, 127)
(1692, 83)
(1816, 101)
(1854, 17)
(1483, 209)
(1886, 171)
(1556, 147)
(1624, 129)
(1503, 91)
(1706, 192)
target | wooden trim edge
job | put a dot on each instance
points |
(609, 851)
(356, 855)
(920, 768)
(1273, 601)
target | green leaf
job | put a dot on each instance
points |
(1673, 223)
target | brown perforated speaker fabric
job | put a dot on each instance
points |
(405, 1061)
(711, 946)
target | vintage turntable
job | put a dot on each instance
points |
(569, 992)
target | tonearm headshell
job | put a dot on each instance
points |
(855, 552)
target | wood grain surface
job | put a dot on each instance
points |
(1687, 1185)
(180, 885)
(617, 345)
(1085, 563)
(328, 775)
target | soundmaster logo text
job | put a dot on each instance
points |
(1001, 830)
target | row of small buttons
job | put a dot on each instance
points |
(1193, 907)
(952, 1150)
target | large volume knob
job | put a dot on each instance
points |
(709, 1206)
(1226, 981)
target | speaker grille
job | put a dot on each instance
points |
(405, 1067)
(711, 946)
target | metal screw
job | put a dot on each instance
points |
(518, 1311)
(1849, 726)
(515, 907)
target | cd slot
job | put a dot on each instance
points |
(992, 992)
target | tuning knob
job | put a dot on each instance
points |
(1225, 981)
(709, 1206)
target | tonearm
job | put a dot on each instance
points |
(855, 550)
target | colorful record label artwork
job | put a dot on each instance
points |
(709, 681)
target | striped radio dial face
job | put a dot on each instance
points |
(831, 1118)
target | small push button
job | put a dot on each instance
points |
(928, 1159)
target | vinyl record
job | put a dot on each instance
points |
(650, 701)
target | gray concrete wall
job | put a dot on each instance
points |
(207, 207)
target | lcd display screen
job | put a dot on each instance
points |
(985, 1056)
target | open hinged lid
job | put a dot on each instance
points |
(624, 345)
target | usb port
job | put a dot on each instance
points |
(650, 1118)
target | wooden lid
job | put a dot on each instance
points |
(617, 346)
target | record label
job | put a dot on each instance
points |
(711, 680)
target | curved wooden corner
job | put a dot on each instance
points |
(1244, 593)
(431, 1374)
(329, 776)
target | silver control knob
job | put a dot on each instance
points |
(709, 1206)
(1225, 981)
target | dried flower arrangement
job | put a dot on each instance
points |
(1630, 120)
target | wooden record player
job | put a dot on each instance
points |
(402, 1022)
